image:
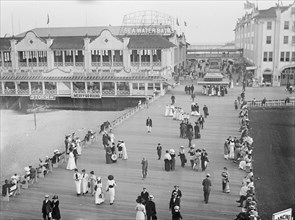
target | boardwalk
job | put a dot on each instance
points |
(221, 123)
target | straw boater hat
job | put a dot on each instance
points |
(207, 175)
(176, 208)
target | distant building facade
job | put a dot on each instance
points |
(90, 62)
(268, 40)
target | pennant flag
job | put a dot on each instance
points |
(185, 24)
(177, 22)
(249, 5)
(47, 18)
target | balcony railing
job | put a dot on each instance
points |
(23, 91)
(145, 64)
(32, 64)
(117, 64)
(42, 64)
(81, 91)
(7, 65)
(134, 63)
(50, 91)
(9, 92)
(157, 63)
(108, 92)
(106, 64)
(58, 64)
(79, 64)
(36, 92)
(95, 64)
(69, 64)
(64, 92)
(123, 92)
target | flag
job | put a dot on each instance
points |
(185, 24)
(177, 23)
(249, 5)
(47, 18)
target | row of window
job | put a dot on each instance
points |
(286, 25)
(285, 39)
(285, 56)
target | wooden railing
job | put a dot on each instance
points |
(133, 110)
(271, 103)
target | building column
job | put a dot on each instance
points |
(74, 57)
(37, 58)
(151, 58)
(2, 59)
(116, 88)
(145, 89)
(112, 58)
(100, 88)
(43, 87)
(16, 89)
(2, 86)
(140, 52)
(30, 88)
(130, 88)
(100, 54)
(72, 90)
(27, 56)
(63, 57)
(86, 90)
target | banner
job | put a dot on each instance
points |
(85, 96)
(283, 215)
(42, 97)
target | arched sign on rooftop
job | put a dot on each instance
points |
(147, 23)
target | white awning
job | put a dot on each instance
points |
(251, 67)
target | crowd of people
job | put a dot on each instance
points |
(214, 90)
(239, 150)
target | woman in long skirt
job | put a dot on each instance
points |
(79, 148)
(140, 209)
(182, 156)
(111, 188)
(99, 196)
(55, 208)
(92, 180)
(85, 179)
(108, 155)
(124, 151)
(197, 164)
(225, 150)
(167, 110)
(225, 180)
(71, 162)
(77, 177)
(231, 148)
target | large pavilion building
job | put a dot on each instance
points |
(103, 67)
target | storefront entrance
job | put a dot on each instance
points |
(288, 75)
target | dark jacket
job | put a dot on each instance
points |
(46, 207)
(206, 185)
(174, 203)
(149, 122)
(151, 208)
(55, 210)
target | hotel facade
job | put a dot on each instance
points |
(268, 40)
(95, 66)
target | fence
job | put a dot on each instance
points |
(271, 103)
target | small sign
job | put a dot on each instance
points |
(85, 96)
(283, 215)
(42, 97)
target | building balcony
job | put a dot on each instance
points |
(123, 92)
(58, 64)
(106, 64)
(64, 92)
(134, 64)
(79, 91)
(145, 64)
(117, 64)
(95, 64)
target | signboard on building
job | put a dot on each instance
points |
(85, 96)
(42, 97)
(142, 30)
(283, 215)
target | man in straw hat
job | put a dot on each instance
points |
(150, 206)
(46, 208)
(206, 187)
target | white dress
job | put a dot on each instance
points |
(85, 179)
(231, 150)
(111, 189)
(99, 196)
(77, 177)
(71, 162)
(79, 149)
(167, 110)
(140, 212)
(124, 151)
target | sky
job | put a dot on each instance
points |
(208, 21)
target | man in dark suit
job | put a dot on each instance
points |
(177, 190)
(151, 212)
(174, 201)
(206, 187)
(46, 208)
(144, 195)
(149, 124)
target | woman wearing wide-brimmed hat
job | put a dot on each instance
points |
(111, 188)
(140, 209)
(55, 208)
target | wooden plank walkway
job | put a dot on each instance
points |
(222, 122)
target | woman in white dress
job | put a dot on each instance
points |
(140, 209)
(99, 196)
(79, 148)
(231, 149)
(77, 177)
(124, 151)
(167, 110)
(111, 188)
(85, 179)
(71, 162)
